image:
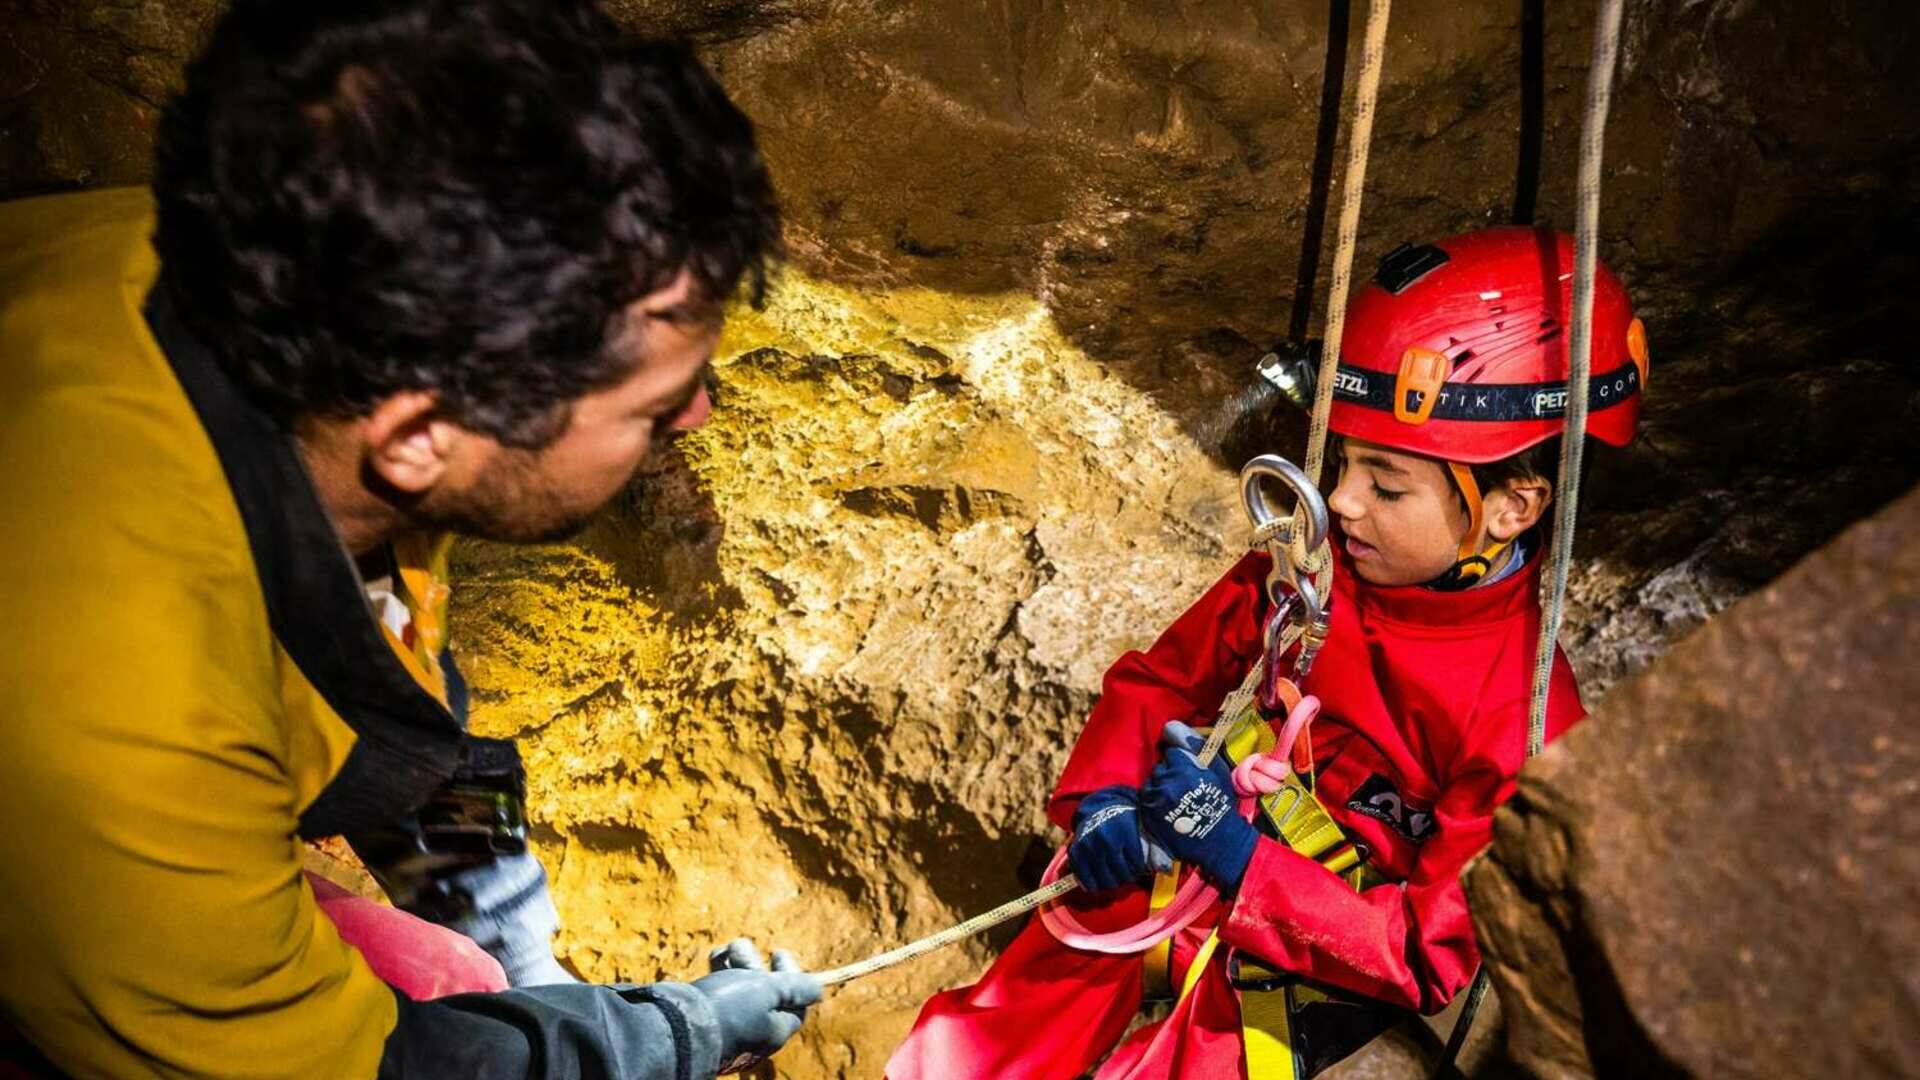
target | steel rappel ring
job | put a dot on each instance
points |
(1260, 510)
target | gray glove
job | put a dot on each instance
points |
(758, 1009)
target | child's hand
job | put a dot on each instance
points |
(1108, 849)
(1191, 809)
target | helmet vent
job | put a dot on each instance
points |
(1407, 264)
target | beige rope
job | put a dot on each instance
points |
(1359, 141)
(1586, 236)
(1065, 884)
(1606, 47)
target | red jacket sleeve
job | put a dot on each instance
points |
(1196, 662)
(1408, 943)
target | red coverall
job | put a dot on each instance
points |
(1422, 729)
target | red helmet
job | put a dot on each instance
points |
(1458, 350)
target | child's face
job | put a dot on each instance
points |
(1402, 518)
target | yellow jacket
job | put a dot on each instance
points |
(190, 681)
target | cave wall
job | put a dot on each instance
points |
(811, 678)
(1715, 876)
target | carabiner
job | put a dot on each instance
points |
(1260, 511)
(1302, 605)
(1263, 515)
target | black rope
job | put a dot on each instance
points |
(1533, 108)
(1320, 188)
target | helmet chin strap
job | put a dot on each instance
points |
(1469, 565)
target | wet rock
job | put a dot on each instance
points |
(1715, 875)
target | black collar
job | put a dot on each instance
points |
(408, 743)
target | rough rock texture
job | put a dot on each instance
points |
(817, 694)
(812, 681)
(1717, 875)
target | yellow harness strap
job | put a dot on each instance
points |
(1266, 1015)
(1294, 810)
(1158, 975)
(1266, 1033)
(1199, 964)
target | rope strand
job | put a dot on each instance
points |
(1359, 142)
(1606, 47)
(1586, 237)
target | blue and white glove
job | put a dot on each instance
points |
(1191, 810)
(1108, 849)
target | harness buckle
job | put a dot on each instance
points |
(1246, 975)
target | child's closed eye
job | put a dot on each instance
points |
(1385, 495)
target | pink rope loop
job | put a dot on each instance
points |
(1194, 897)
(1297, 720)
(1260, 774)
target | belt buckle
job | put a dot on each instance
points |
(1259, 978)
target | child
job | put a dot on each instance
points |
(1449, 402)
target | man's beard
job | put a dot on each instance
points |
(510, 502)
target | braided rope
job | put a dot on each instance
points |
(1606, 47)
(1353, 186)
(1586, 237)
(984, 921)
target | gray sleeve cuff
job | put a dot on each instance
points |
(697, 1030)
(666, 1031)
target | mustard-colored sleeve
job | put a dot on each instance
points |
(153, 919)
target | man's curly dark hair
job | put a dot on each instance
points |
(361, 197)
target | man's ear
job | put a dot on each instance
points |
(1517, 506)
(407, 443)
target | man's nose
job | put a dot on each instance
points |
(695, 414)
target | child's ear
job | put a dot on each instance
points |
(1517, 506)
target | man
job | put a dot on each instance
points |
(417, 267)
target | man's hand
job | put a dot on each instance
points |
(758, 1009)
(1108, 849)
(1192, 810)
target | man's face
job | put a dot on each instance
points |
(1402, 519)
(535, 496)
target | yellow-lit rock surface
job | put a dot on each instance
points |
(812, 685)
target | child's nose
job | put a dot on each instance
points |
(1343, 502)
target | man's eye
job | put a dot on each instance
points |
(1386, 496)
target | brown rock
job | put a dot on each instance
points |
(1717, 874)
